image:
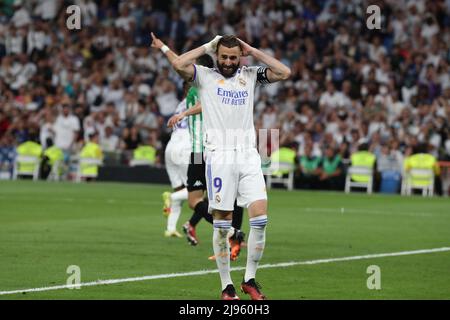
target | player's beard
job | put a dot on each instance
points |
(228, 71)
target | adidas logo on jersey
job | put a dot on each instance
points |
(198, 183)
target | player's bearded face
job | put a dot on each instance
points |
(228, 60)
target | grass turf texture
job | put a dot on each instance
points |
(114, 231)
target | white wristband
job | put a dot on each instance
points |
(165, 48)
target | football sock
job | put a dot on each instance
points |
(222, 250)
(255, 245)
(179, 195)
(175, 211)
(237, 217)
(200, 211)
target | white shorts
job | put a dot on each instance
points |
(231, 175)
(177, 156)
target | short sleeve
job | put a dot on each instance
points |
(200, 73)
(258, 73)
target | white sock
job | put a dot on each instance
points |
(175, 211)
(179, 195)
(222, 250)
(255, 245)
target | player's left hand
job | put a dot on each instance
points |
(246, 48)
(174, 119)
(156, 43)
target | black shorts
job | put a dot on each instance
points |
(196, 173)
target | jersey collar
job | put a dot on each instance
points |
(238, 71)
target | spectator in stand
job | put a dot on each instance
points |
(396, 83)
(331, 170)
(7, 155)
(146, 121)
(309, 169)
(66, 128)
(131, 138)
(109, 142)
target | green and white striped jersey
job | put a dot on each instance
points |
(195, 122)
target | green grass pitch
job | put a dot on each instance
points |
(115, 231)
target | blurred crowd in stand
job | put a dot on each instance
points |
(350, 85)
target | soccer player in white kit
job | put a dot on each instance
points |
(177, 156)
(196, 181)
(233, 165)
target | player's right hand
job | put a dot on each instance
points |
(211, 46)
(156, 43)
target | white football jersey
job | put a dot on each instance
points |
(227, 107)
(183, 124)
(180, 134)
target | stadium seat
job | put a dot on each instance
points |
(28, 160)
(390, 181)
(418, 179)
(286, 179)
(360, 171)
(87, 161)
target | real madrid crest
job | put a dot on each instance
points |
(242, 82)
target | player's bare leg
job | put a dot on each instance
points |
(222, 227)
(257, 212)
(194, 197)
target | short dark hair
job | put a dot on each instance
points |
(293, 145)
(205, 60)
(420, 148)
(330, 147)
(49, 142)
(363, 147)
(229, 41)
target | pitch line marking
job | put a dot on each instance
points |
(367, 211)
(204, 272)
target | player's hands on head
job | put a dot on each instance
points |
(211, 46)
(246, 48)
(156, 43)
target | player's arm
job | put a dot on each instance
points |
(196, 109)
(180, 116)
(184, 64)
(276, 70)
(158, 44)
